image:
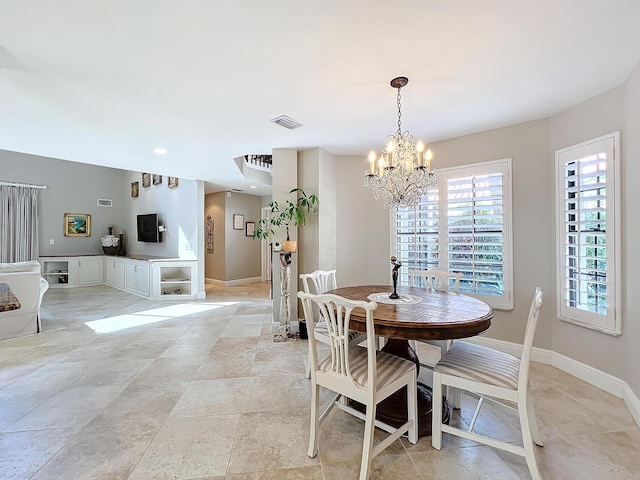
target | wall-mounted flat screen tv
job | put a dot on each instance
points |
(148, 228)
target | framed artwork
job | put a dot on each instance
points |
(134, 189)
(157, 179)
(238, 222)
(172, 182)
(77, 225)
(249, 228)
(146, 179)
(209, 233)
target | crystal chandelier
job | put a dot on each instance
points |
(403, 171)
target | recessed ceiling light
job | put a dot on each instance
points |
(160, 151)
(252, 186)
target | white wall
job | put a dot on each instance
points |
(177, 211)
(362, 228)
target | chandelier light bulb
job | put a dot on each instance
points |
(372, 162)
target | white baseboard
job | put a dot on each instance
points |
(584, 372)
(232, 283)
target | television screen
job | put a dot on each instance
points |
(148, 228)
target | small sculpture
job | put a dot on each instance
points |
(394, 276)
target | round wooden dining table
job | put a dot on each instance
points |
(420, 314)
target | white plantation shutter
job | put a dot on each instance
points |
(475, 232)
(469, 231)
(587, 216)
(416, 236)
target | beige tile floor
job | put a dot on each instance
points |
(198, 390)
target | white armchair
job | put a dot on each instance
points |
(28, 287)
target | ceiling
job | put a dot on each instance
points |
(106, 82)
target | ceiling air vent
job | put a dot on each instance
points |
(104, 202)
(236, 190)
(286, 122)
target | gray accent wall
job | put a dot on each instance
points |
(76, 187)
(614, 110)
(242, 253)
(71, 188)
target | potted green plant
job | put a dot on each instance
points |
(286, 213)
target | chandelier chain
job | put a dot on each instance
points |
(399, 113)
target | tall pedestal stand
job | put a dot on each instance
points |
(285, 332)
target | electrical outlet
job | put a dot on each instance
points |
(52, 241)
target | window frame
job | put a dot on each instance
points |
(611, 322)
(504, 166)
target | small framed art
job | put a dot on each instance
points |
(249, 228)
(146, 179)
(134, 189)
(172, 182)
(238, 222)
(157, 179)
(77, 225)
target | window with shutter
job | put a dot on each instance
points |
(587, 179)
(463, 225)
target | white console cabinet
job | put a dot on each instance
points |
(76, 271)
(157, 278)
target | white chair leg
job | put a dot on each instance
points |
(315, 421)
(436, 412)
(527, 442)
(412, 409)
(367, 444)
(533, 423)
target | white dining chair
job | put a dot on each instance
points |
(318, 282)
(491, 375)
(362, 374)
(436, 280)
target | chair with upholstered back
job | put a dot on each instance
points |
(491, 375)
(359, 373)
(318, 282)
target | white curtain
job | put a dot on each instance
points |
(19, 241)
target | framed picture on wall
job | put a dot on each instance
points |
(157, 179)
(238, 222)
(172, 182)
(134, 189)
(210, 233)
(249, 228)
(77, 225)
(146, 179)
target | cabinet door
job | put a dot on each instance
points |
(115, 272)
(90, 270)
(130, 277)
(143, 279)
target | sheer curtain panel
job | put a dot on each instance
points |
(19, 240)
